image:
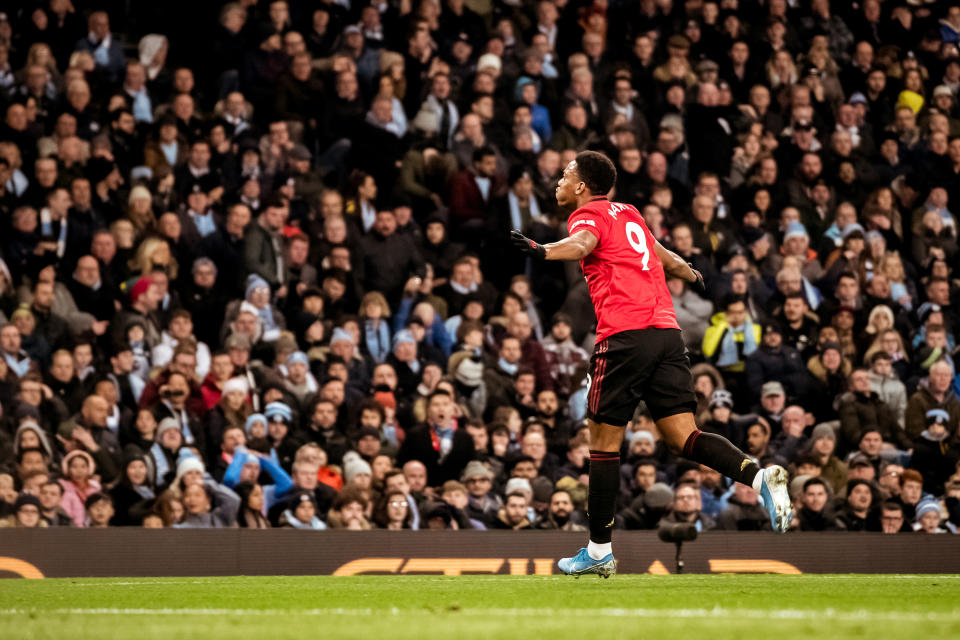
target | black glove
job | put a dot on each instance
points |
(697, 284)
(525, 244)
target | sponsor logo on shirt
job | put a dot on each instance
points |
(582, 221)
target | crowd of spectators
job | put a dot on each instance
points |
(255, 268)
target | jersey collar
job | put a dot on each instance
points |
(595, 198)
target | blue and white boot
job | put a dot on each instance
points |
(776, 497)
(582, 564)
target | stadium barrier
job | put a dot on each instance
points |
(132, 552)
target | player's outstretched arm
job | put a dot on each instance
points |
(677, 267)
(575, 247)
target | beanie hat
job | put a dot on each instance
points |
(910, 99)
(386, 399)
(403, 336)
(252, 419)
(721, 398)
(795, 230)
(165, 424)
(489, 60)
(518, 484)
(278, 409)
(851, 229)
(353, 465)
(235, 384)
(476, 469)
(823, 431)
(138, 289)
(927, 506)
(340, 334)
(25, 499)
(752, 234)
(298, 356)
(189, 463)
(254, 282)
(633, 436)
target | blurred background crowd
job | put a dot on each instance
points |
(255, 270)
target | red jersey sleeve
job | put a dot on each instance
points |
(586, 220)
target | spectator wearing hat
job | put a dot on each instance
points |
(483, 503)
(930, 520)
(862, 410)
(933, 392)
(562, 353)
(796, 242)
(405, 361)
(144, 300)
(823, 443)
(78, 484)
(935, 451)
(774, 361)
(26, 514)
(207, 505)
(302, 513)
(130, 496)
(773, 401)
(165, 451)
(721, 419)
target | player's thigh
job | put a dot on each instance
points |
(668, 389)
(614, 379)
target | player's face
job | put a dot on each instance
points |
(569, 186)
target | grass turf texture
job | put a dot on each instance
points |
(554, 607)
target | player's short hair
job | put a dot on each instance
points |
(597, 171)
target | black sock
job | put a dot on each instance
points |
(604, 486)
(717, 453)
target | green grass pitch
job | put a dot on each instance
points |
(555, 607)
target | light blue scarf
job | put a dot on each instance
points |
(20, 367)
(729, 354)
(378, 340)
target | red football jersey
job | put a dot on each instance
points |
(624, 275)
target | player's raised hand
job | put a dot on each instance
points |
(525, 244)
(697, 284)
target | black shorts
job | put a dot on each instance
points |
(642, 364)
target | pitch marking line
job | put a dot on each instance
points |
(718, 612)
